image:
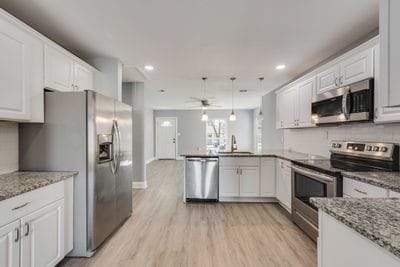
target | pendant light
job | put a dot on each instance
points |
(260, 114)
(232, 116)
(204, 116)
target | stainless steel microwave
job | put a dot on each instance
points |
(351, 103)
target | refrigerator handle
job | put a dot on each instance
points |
(119, 145)
(116, 148)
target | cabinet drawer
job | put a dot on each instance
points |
(353, 188)
(239, 161)
(394, 194)
(21, 205)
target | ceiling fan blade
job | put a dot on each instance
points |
(192, 101)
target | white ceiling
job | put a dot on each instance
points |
(188, 39)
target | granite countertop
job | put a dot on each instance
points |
(283, 154)
(387, 180)
(16, 183)
(377, 219)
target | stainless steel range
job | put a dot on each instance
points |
(323, 178)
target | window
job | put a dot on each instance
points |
(216, 135)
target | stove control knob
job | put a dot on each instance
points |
(376, 148)
(333, 145)
(369, 148)
(384, 149)
(338, 145)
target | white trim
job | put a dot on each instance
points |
(176, 134)
(180, 158)
(150, 160)
(139, 185)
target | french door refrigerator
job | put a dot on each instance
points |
(92, 134)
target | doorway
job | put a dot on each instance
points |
(166, 141)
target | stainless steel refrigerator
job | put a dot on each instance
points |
(92, 134)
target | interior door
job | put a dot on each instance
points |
(9, 244)
(42, 238)
(124, 173)
(166, 138)
(102, 212)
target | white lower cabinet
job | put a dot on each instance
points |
(9, 244)
(42, 238)
(228, 182)
(267, 177)
(394, 194)
(249, 182)
(339, 245)
(32, 226)
(284, 183)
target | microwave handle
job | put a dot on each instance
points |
(345, 110)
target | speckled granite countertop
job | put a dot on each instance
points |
(16, 183)
(377, 219)
(283, 154)
(387, 180)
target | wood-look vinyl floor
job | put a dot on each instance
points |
(163, 231)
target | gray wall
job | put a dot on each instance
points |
(192, 131)
(133, 94)
(108, 81)
(271, 137)
(148, 134)
(8, 147)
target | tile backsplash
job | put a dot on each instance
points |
(317, 140)
(8, 147)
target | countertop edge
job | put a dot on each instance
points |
(366, 180)
(342, 219)
(62, 176)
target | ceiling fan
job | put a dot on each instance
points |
(205, 102)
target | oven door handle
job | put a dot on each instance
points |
(345, 109)
(315, 176)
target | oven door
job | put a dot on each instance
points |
(305, 185)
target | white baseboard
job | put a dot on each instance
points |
(150, 160)
(139, 185)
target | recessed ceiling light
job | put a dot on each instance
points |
(161, 91)
(149, 67)
(280, 67)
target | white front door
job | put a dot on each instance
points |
(166, 138)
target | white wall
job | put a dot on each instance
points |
(317, 140)
(271, 137)
(108, 81)
(8, 147)
(192, 131)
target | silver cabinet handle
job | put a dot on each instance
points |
(336, 83)
(17, 237)
(27, 229)
(361, 192)
(20, 206)
(237, 170)
(340, 80)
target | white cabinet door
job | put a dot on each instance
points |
(229, 181)
(249, 181)
(279, 111)
(59, 70)
(83, 78)
(9, 244)
(328, 79)
(279, 180)
(305, 92)
(16, 66)
(43, 236)
(284, 183)
(357, 67)
(289, 108)
(267, 177)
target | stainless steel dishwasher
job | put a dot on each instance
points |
(201, 179)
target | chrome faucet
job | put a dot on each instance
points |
(233, 144)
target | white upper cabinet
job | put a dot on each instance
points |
(294, 105)
(328, 79)
(305, 92)
(357, 68)
(59, 70)
(64, 73)
(21, 69)
(83, 77)
(387, 93)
